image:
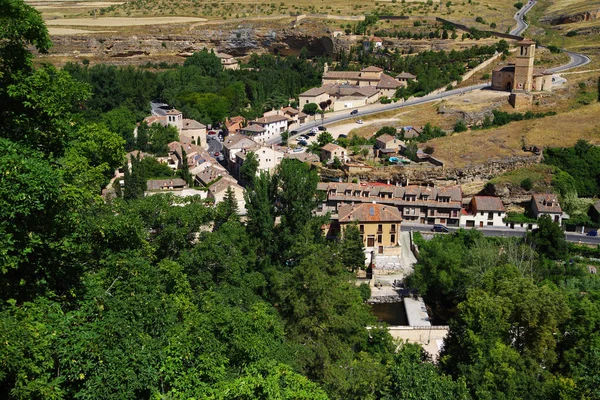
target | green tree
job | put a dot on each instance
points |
(336, 163)
(41, 109)
(160, 136)
(207, 63)
(22, 27)
(185, 168)
(413, 376)
(310, 108)
(353, 249)
(460, 126)
(324, 138)
(227, 210)
(549, 239)
(284, 138)
(122, 121)
(135, 179)
(249, 169)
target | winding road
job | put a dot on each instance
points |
(577, 59)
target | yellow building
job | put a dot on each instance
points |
(379, 224)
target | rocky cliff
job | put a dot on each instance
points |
(239, 39)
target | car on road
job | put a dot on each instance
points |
(322, 128)
(342, 136)
(440, 228)
(292, 133)
(298, 150)
(592, 233)
(217, 154)
(360, 122)
(354, 112)
(211, 133)
(301, 137)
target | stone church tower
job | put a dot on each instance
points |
(524, 65)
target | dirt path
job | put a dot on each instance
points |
(121, 21)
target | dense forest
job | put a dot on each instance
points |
(160, 297)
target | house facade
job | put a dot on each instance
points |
(186, 127)
(272, 125)
(330, 151)
(268, 157)
(547, 204)
(483, 211)
(419, 204)
(218, 190)
(378, 224)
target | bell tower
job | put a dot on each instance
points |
(524, 65)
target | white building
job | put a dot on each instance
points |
(483, 211)
(547, 204)
(268, 157)
(272, 125)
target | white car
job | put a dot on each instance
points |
(314, 130)
(360, 122)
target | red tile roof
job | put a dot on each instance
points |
(368, 212)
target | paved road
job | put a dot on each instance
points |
(337, 116)
(214, 144)
(507, 232)
(577, 59)
(159, 109)
(521, 24)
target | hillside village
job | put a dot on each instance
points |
(379, 201)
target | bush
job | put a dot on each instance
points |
(527, 184)
(518, 5)
(571, 33)
(460, 126)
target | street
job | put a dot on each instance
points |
(505, 232)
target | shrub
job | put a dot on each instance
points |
(460, 126)
(527, 184)
(571, 33)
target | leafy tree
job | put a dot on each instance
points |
(324, 138)
(284, 138)
(207, 63)
(185, 168)
(122, 121)
(413, 376)
(41, 109)
(460, 126)
(310, 108)
(336, 164)
(261, 213)
(249, 169)
(549, 239)
(135, 179)
(159, 137)
(22, 27)
(353, 249)
(227, 210)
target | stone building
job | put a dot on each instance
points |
(521, 78)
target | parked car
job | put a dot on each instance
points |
(212, 133)
(303, 143)
(314, 130)
(360, 121)
(322, 128)
(592, 233)
(217, 154)
(342, 136)
(354, 112)
(440, 228)
(292, 133)
(298, 149)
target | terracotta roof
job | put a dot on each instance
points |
(371, 69)
(192, 124)
(269, 119)
(160, 184)
(161, 119)
(376, 39)
(238, 142)
(315, 91)
(222, 185)
(387, 82)
(526, 42)
(254, 128)
(487, 203)
(405, 75)
(368, 212)
(173, 112)
(341, 75)
(331, 147)
(547, 202)
(304, 157)
(385, 138)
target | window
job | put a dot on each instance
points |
(379, 228)
(393, 238)
(393, 228)
(362, 229)
(490, 215)
(379, 238)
